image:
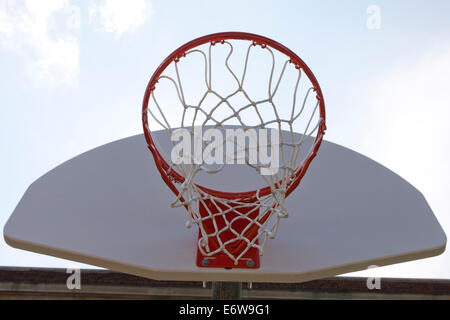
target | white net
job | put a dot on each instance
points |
(248, 108)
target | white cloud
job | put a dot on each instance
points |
(73, 21)
(119, 16)
(42, 32)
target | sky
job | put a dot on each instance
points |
(73, 74)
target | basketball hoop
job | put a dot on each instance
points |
(234, 226)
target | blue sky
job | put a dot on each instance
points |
(73, 74)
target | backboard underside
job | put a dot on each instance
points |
(108, 207)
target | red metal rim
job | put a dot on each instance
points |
(172, 177)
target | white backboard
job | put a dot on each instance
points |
(109, 207)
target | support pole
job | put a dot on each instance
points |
(226, 290)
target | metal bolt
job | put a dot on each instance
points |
(204, 262)
(250, 263)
